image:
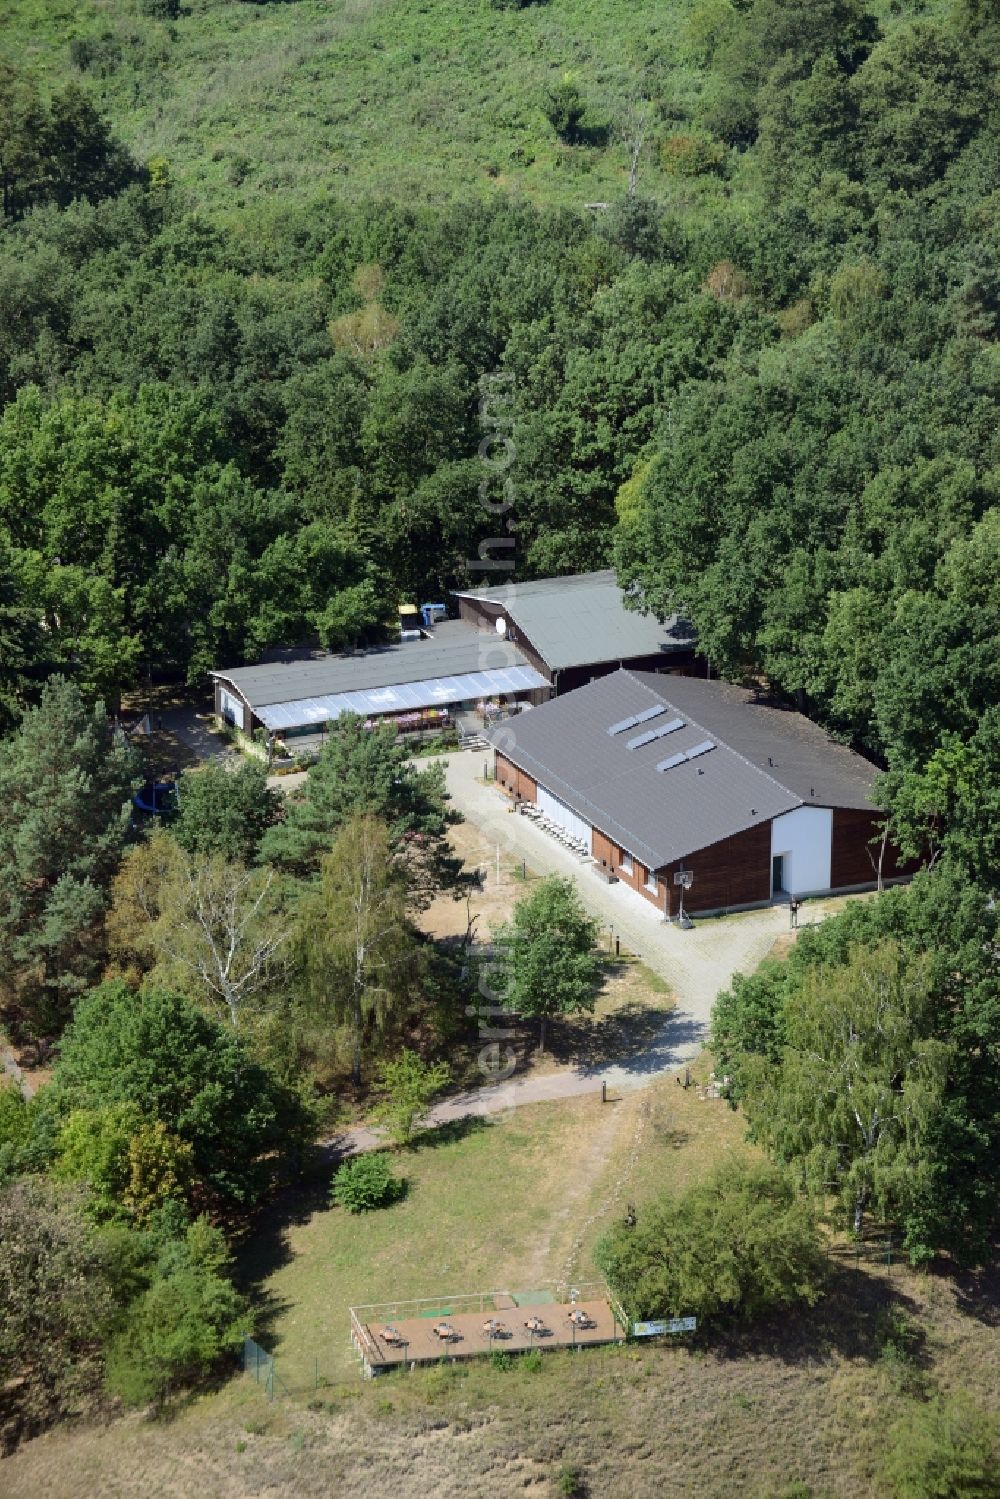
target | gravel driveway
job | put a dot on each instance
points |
(695, 964)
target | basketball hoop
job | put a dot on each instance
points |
(685, 879)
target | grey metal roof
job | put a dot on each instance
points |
(578, 620)
(456, 649)
(437, 692)
(700, 796)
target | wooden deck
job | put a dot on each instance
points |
(419, 1344)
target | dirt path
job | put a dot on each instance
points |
(576, 1188)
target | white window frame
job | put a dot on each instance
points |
(652, 883)
(627, 862)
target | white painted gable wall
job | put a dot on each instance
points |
(804, 838)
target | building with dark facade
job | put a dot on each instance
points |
(576, 628)
(513, 645)
(671, 780)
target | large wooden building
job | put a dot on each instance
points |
(576, 628)
(676, 779)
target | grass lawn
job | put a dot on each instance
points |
(496, 1204)
(395, 98)
(807, 1398)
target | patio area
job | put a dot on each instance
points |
(392, 1335)
(555, 830)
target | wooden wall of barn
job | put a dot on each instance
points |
(735, 871)
(854, 858)
(514, 781)
(609, 856)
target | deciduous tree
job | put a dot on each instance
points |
(860, 1084)
(545, 960)
(358, 953)
(226, 812)
(56, 1302)
(202, 923)
(163, 1056)
(735, 1245)
(408, 1085)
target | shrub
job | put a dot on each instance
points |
(564, 107)
(737, 1244)
(188, 1319)
(946, 1449)
(366, 1182)
(532, 1360)
(691, 155)
(569, 1483)
(408, 1085)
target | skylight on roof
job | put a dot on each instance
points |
(636, 719)
(685, 755)
(700, 749)
(657, 733)
(672, 761)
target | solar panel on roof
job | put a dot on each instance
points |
(657, 733)
(636, 719)
(684, 755)
(672, 761)
(700, 749)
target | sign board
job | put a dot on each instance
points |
(657, 1329)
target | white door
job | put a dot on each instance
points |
(232, 708)
(563, 815)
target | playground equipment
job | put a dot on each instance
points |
(155, 797)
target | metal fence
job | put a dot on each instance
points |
(260, 1364)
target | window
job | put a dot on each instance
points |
(626, 862)
(652, 884)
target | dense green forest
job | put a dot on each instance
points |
(735, 263)
(241, 413)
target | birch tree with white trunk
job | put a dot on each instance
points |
(204, 924)
(860, 1083)
(359, 954)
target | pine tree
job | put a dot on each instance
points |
(367, 772)
(66, 778)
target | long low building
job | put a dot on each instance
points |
(513, 644)
(675, 782)
(410, 683)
